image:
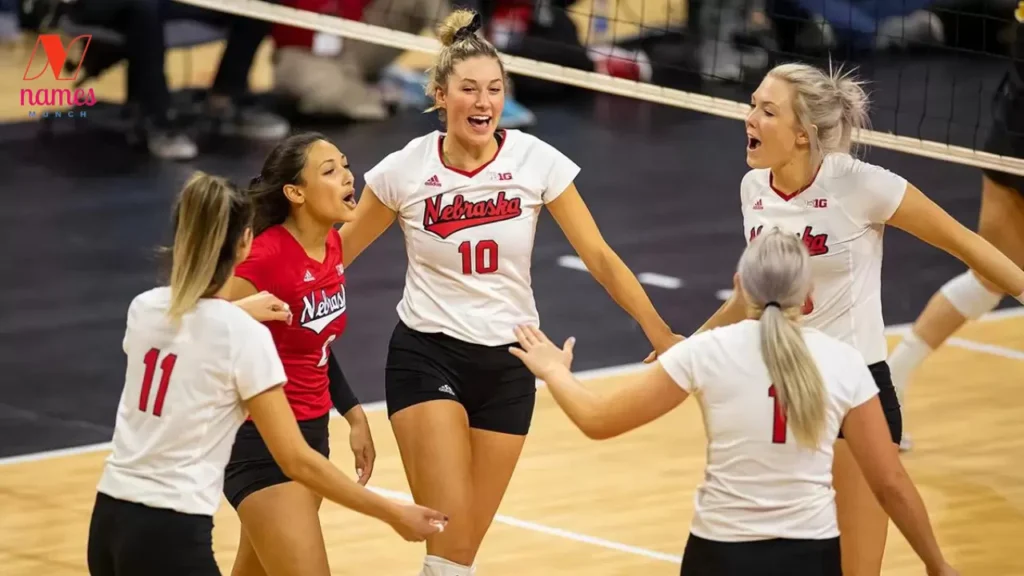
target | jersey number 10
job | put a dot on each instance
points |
(481, 260)
(166, 367)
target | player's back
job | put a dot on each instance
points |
(182, 401)
(760, 483)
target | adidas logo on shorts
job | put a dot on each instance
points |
(446, 389)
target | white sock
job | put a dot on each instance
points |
(437, 566)
(908, 355)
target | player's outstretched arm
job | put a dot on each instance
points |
(573, 216)
(643, 398)
(733, 311)
(371, 219)
(276, 423)
(868, 436)
(919, 216)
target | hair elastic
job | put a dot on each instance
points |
(470, 29)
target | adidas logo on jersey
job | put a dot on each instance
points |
(462, 214)
(317, 313)
(758, 205)
(340, 269)
(309, 276)
(433, 181)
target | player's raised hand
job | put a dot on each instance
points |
(265, 307)
(416, 523)
(539, 354)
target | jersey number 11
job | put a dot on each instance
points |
(166, 368)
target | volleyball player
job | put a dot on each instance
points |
(468, 201)
(196, 364)
(774, 395)
(1001, 222)
(805, 181)
(302, 191)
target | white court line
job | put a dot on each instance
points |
(582, 375)
(903, 329)
(649, 278)
(659, 280)
(558, 532)
(368, 407)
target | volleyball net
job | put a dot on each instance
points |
(933, 75)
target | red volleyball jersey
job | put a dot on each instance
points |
(315, 291)
(301, 37)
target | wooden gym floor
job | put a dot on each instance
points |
(619, 507)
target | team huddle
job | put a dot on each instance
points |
(230, 376)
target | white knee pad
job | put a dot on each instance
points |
(969, 296)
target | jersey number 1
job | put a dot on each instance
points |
(482, 260)
(779, 421)
(166, 367)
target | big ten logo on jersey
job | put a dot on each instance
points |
(320, 308)
(479, 255)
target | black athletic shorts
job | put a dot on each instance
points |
(129, 539)
(890, 402)
(775, 557)
(495, 387)
(252, 468)
(1007, 134)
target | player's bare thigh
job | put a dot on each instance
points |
(495, 455)
(281, 533)
(434, 442)
(1001, 221)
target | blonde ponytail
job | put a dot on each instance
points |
(203, 217)
(776, 278)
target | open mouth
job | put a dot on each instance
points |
(480, 122)
(752, 143)
(350, 199)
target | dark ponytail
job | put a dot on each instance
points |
(283, 166)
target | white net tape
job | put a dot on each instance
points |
(590, 80)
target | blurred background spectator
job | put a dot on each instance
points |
(141, 23)
(722, 41)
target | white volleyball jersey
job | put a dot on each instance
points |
(759, 483)
(840, 217)
(469, 235)
(182, 401)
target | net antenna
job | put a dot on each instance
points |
(724, 108)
